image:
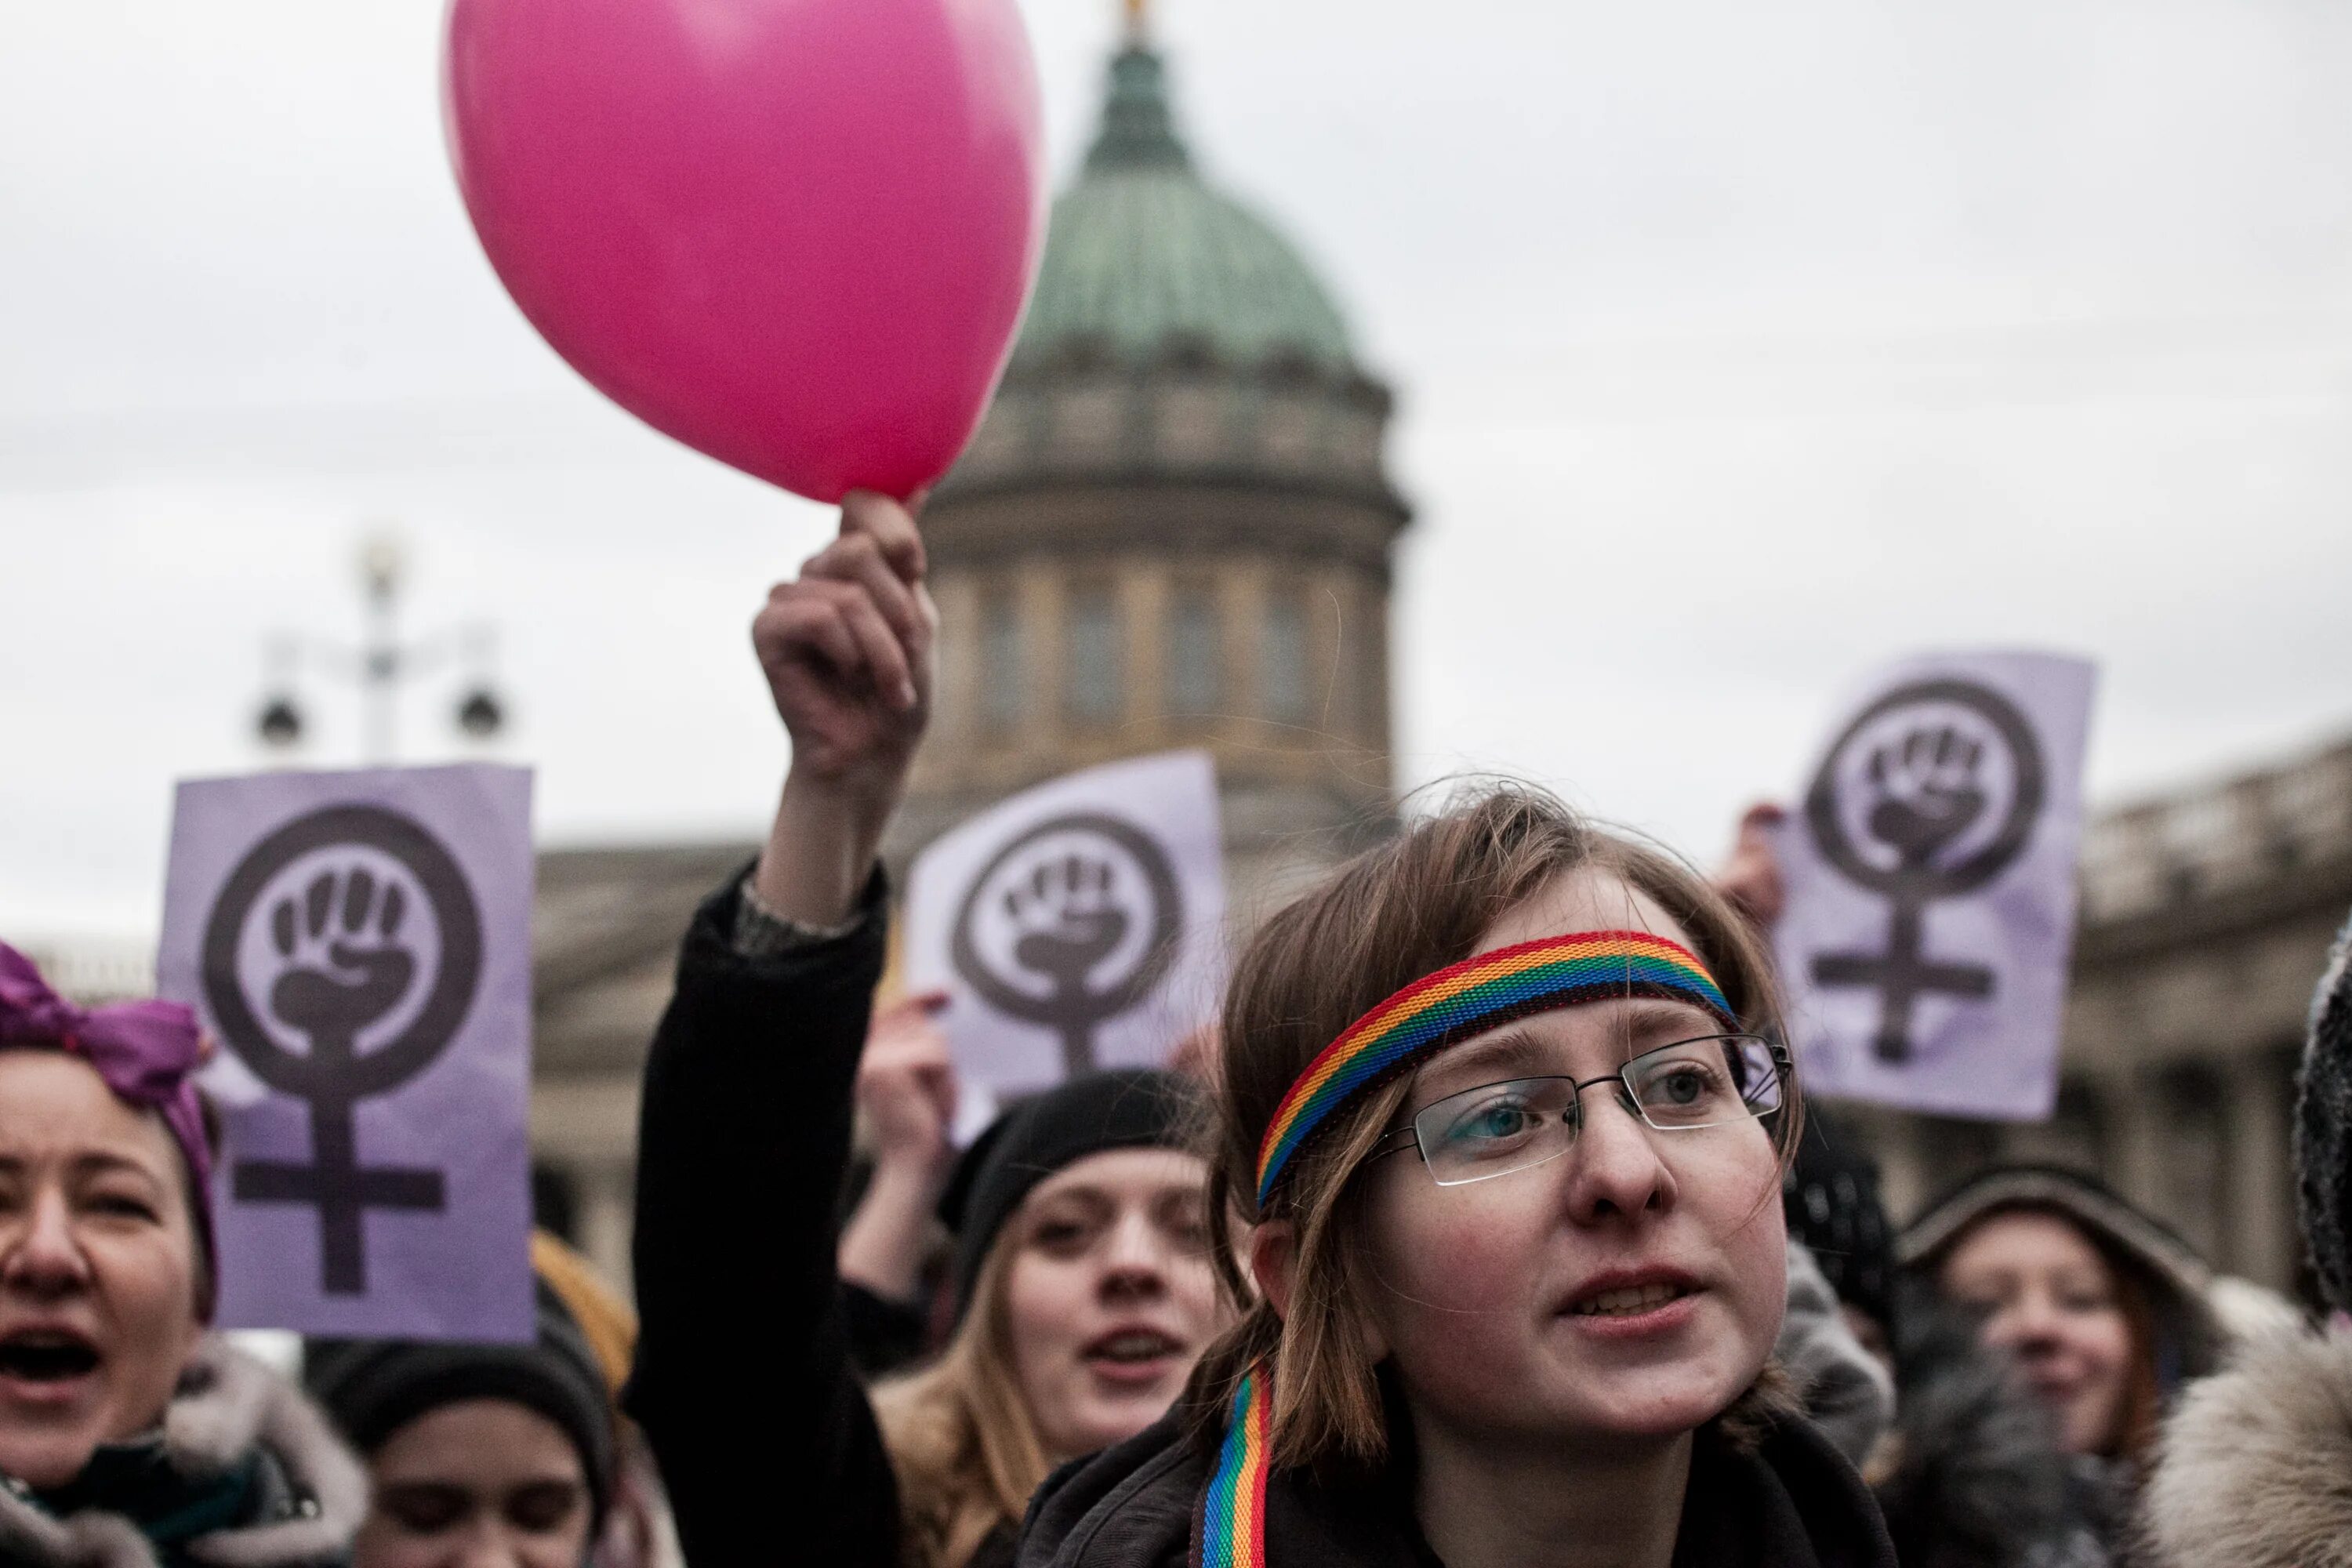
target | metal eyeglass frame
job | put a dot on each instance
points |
(1783, 1070)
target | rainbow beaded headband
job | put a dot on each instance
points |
(1469, 998)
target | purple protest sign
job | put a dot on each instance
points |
(1078, 925)
(360, 945)
(1930, 879)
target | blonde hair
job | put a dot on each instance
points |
(1390, 916)
(959, 1435)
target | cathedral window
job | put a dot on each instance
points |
(1093, 681)
(1284, 680)
(1002, 680)
(1196, 649)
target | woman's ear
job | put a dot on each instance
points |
(1274, 1263)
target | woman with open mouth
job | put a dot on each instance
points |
(1502, 1106)
(1083, 1294)
(130, 1436)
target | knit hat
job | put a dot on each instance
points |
(607, 1324)
(374, 1387)
(1128, 1108)
(2322, 1130)
(1831, 1197)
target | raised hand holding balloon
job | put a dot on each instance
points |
(795, 235)
(1930, 887)
(360, 943)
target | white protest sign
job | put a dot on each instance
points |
(360, 945)
(1078, 925)
(1930, 879)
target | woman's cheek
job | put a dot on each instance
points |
(1743, 1214)
(151, 1283)
(2105, 1348)
(1196, 1290)
(1037, 1310)
(1450, 1285)
(1457, 1249)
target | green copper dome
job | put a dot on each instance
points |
(1143, 259)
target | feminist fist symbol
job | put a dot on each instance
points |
(1925, 792)
(1066, 919)
(314, 996)
(1928, 793)
(341, 968)
(1057, 905)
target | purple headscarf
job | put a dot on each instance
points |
(148, 1053)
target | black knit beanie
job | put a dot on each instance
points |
(1831, 1198)
(374, 1387)
(2322, 1130)
(1129, 1109)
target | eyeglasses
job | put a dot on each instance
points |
(1499, 1128)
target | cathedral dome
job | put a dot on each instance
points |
(1174, 527)
(1144, 263)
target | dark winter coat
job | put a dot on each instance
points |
(1792, 1503)
(246, 1473)
(744, 1383)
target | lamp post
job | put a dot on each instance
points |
(379, 665)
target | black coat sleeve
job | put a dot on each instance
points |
(743, 1381)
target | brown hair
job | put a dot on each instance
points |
(959, 1435)
(2138, 1419)
(1390, 916)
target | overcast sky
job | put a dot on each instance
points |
(1738, 347)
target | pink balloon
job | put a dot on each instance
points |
(796, 234)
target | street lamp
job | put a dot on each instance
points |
(380, 664)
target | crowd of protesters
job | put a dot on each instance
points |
(1490, 1228)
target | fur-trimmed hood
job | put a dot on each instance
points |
(314, 1494)
(2255, 1464)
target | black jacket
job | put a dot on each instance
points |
(1793, 1503)
(744, 1383)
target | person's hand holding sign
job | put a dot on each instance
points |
(847, 648)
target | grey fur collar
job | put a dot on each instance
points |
(2255, 1469)
(228, 1404)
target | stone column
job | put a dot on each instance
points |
(2133, 1113)
(2263, 1245)
(1143, 590)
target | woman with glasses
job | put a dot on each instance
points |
(1502, 1116)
